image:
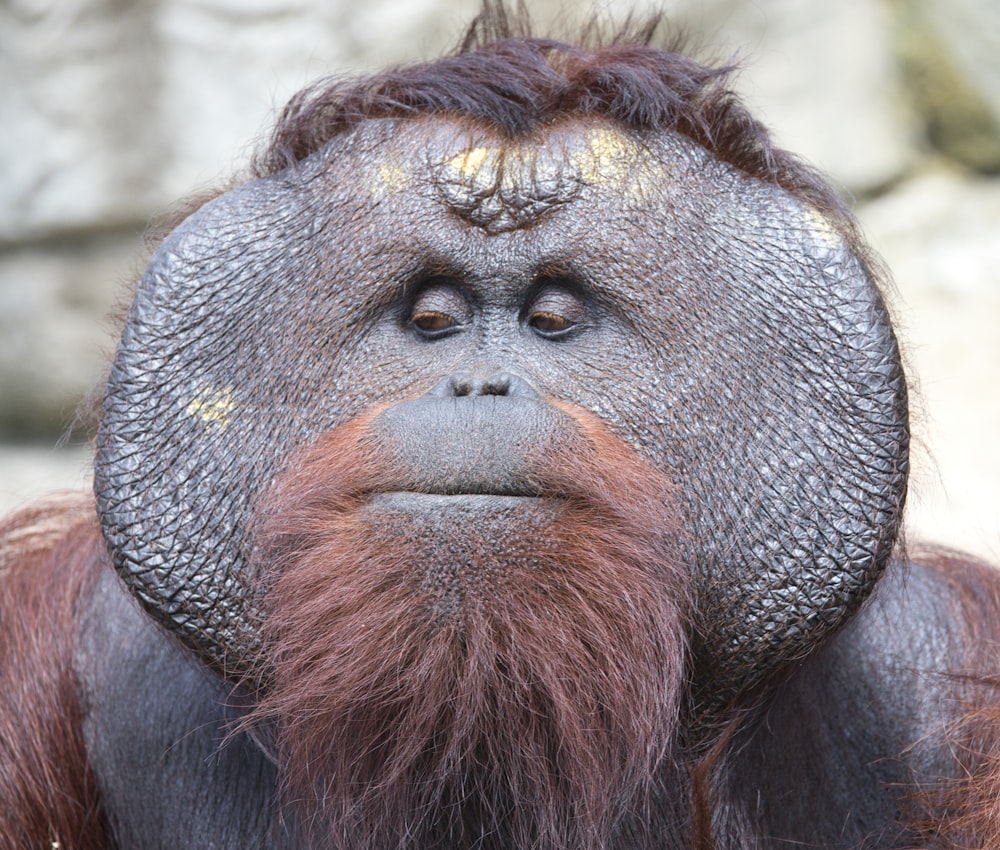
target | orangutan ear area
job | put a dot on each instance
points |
(512, 459)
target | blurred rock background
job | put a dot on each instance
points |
(110, 110)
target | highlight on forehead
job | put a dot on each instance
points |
(501, 183)
(597, 156)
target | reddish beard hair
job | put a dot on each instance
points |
(514, 684)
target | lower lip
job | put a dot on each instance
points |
(459, 509)
(409, 499)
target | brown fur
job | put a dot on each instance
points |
(47, 554)
(962, 812)
(531, 712)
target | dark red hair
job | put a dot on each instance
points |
(516, 684)
(49, 553)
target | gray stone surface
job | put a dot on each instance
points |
(950, 58)
(55, 335)
(30, 472)
(824, 77)
(939, 235)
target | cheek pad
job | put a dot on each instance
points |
(202, 405)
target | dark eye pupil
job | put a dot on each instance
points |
(549, 322)
(431, 320)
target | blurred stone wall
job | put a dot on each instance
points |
(111, 110)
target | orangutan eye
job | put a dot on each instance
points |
(556, 309)
(438, 310)
(432, 323)
(550, 324)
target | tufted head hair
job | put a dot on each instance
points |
(504, 77)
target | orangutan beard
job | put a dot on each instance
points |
(476, 671)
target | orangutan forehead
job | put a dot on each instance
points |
(502, 184)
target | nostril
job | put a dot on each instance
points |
(497, 385)
(510, 385)
(454, 386)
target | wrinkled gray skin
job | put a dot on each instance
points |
(719, 326)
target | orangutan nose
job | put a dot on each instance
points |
(470, 384)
